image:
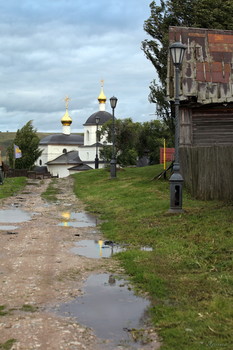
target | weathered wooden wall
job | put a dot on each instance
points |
(212, 126)
(208, 171)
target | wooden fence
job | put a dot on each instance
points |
(208, 171)
(27, 173)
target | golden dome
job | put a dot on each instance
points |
(66, 119)
(102, 98)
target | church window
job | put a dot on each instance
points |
(40, 162)
(88, 135)
(64, 151)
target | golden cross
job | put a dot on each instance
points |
(102, 82)
(67, 99)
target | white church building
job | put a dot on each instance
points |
(68, 153)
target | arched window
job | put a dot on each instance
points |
(64, 151)
(40, 162)
(88, 135)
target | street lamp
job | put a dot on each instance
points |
(97, 120)
(177, 51)
(113, 102)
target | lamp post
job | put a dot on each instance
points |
(113, 102)
(177, 51)
(97, 120)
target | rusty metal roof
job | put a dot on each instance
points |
(207, 70)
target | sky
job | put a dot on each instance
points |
(50, 49)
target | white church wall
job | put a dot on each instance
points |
(55, 151)
(59, 170)
(87, 154)
(51, 152)
(43, 158)
(89, 135)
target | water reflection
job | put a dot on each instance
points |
(8, 227)
(95, 249)
(14, 216)
(110, 308)
(80, 219)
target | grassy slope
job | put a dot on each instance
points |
(188, 275)
(11, 186)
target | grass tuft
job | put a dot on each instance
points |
(8, 344)
(51, 192)
(11, 186)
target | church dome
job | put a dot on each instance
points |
(102, 98)
(66, 119)
(102, 115)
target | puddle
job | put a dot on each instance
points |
(8, 227)
(110, 308)
(14, 216)
(81, 219)
(95, 249)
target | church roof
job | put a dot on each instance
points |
(71, 157)
(62, 139)
(103, 115)
(81, 167)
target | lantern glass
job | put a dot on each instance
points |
(113, 102)
(177, 51)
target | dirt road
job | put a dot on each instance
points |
(37, 270)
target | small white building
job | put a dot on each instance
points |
(67, 153)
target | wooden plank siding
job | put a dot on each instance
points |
(212, 127)
(208, 171)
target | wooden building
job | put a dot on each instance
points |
(206, 110)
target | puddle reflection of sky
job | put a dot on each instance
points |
(110, 308)
(12, 216)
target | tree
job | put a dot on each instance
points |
(126, 135)
(216, 14)
(134, 140)
(151, 138)
(28, 142)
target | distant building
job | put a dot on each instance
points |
(68, 153)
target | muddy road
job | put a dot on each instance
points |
(38, 270)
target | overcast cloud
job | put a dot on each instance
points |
(53, 48)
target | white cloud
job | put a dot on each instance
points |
(53, 48)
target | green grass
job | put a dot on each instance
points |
(8, 344)
(3, 311)
(29, 308)
(51, 192)
(188, 275)
(11, 186)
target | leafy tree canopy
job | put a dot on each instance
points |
(134, 140)
(28, 142)
(215, 14)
